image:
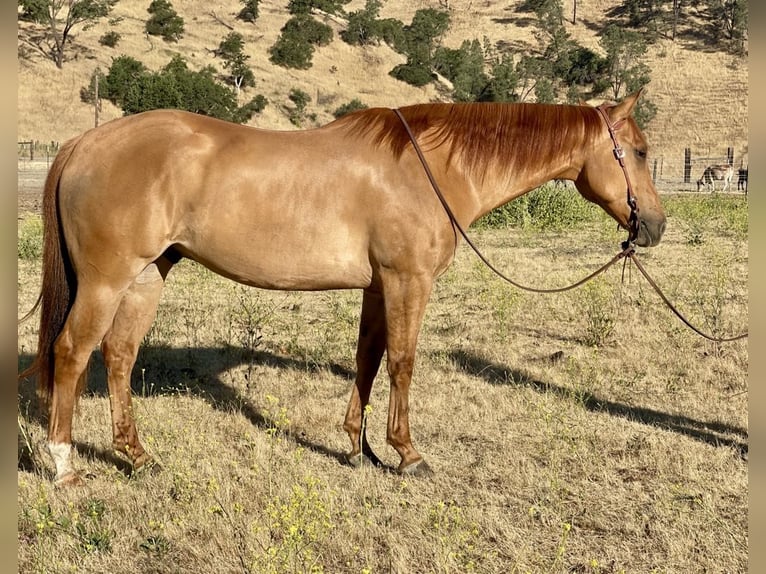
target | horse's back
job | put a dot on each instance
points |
(288, 210)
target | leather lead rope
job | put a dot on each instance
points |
(456, 224)
(628, 251)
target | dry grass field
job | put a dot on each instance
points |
(585, 432)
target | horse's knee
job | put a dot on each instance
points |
(398, 367)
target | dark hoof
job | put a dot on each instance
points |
(419, 469)
(146, 466)
(359, 460)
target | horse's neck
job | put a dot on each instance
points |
(498, 186)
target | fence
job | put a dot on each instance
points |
(681, 172)
(33, 149)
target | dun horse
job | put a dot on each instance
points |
(713, 173)
(344, 206)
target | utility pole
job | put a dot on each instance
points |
(96, 101)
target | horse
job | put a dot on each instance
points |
(342, 206)
(742, 179)
(713, 173)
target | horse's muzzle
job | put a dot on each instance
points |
(650, 231)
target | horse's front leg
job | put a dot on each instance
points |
(405, 302)
(369, 351)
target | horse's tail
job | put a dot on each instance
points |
(59, 282)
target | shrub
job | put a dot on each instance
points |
(349, 107)
(254, 106)
(88, 93)
(297, 7)
(549, 207)
(418, 42)
(123, 73)
(231, 50)
(30, 239)
(135, 89)
(164, 21)
(290, 52)
(110, 39)
(295, 45)
(301, 99)
(249, 12)
(308, 29)
(414, 74)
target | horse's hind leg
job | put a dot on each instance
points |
(87, 321)
(133, 319)
(369, 351)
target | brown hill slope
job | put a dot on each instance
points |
(701, 95)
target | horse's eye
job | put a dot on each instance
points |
(641, 153)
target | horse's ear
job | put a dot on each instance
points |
(622, 111)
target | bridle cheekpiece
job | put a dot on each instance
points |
(619, 155)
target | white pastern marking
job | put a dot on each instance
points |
(60, 453)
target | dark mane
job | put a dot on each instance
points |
(484, 135)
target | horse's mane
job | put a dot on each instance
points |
(484, 135)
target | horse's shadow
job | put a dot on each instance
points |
(713, 433)
(197, 371)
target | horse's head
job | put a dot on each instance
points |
(603, 181)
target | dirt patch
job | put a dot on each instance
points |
(31, 180)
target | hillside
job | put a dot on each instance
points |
(702, 96)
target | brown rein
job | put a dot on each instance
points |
(628, 249)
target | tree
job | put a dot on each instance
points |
(419, 43)
(297, 7)
(625, 70)
(503, 80)
(249, 12)
(61, 16)
(295, 45)
(624, 49)
(123, 73)
(728, 23)
(164, 21)
(362, 25)
(464, 67)
(231, 50)
(134, 88)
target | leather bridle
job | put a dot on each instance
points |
(619, 155)
(628, 249)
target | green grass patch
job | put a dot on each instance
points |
(549, 207)
(724, 214)
(30, 238)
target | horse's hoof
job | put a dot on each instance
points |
(359, 460)
(419, 469)
(68, 480)
(146, 464)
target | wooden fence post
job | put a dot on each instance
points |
(687, 165)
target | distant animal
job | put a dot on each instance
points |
(713, 173)
(742, 179)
